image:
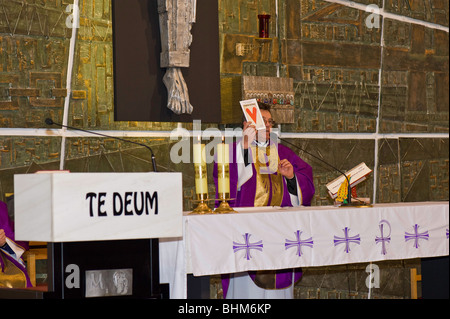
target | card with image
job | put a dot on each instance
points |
(253, 113)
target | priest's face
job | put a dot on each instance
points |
(264, 135)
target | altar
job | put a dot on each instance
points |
(268, 238)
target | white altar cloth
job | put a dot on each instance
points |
(267, 238)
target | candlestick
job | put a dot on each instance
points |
(202, 207)
(224, 207)
(201, 179)
(223, 178)
(223, 168)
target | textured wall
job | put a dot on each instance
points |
(353, 79)
(378, 96)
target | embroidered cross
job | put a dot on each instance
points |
(383, 239)
(247, 246)
(299, 243)
(347, 239)
(416, 236)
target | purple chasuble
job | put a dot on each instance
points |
(245, 197)
(7, 225)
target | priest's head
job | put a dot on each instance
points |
(264, 135)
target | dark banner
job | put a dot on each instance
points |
(139, 91)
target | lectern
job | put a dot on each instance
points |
(102, 230)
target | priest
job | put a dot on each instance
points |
(13, 273)
(264, 173)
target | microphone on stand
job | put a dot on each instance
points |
(49, 121)
(349, 193)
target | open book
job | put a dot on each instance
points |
(356, 175)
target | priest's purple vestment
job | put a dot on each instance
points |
(266, 187)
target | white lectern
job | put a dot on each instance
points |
(102, 229)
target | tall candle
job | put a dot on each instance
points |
(201, 180)
(223, 169)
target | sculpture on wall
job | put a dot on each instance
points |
(176, 18)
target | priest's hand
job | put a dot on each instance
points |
(2, 237)
(286, 169)
(249, 134)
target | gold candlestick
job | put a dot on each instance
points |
(201, 181)
(201, 176)
(224, 207)
(223, 177)
(202, 207)
(223, 168)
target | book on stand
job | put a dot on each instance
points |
(356, 175)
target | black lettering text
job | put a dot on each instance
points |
(101, 203)
(138, 210)
(91, 196)
(128, 203)
(117, 204)
(150, 200)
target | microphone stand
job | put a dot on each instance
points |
(349, 192)
(49, 121)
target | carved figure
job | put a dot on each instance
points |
(176, 18)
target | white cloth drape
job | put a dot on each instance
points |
(278, 238)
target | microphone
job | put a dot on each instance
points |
(49, 121)
(349, 193)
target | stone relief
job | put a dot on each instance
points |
(176, 18)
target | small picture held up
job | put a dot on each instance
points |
(252, 113)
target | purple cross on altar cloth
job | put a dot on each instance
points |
(383, 239)
(347, 239)
(247, 246)
(416, 236)
(299, 243)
